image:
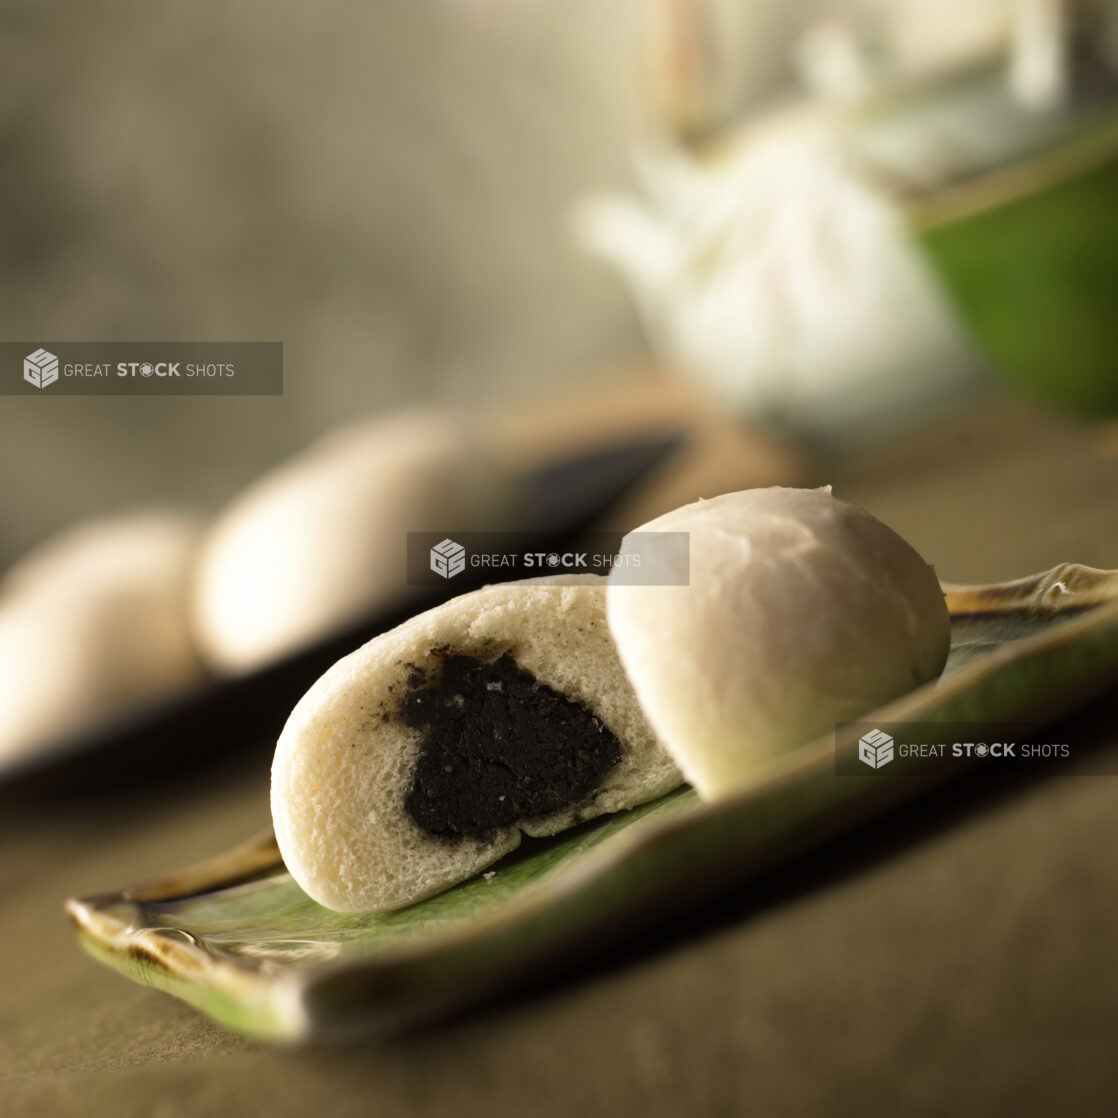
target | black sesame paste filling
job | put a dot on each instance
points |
(498, 746)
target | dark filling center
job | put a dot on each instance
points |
(498, 746)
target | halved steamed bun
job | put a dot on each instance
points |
(424, 756)
(801, 611)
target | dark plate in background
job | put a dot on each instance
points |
(244, 714)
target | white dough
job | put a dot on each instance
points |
(93, 626)
(801, 611)
(321, 540)
(342, 770)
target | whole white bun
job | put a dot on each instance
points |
(93, 626)
(346, 762)
(321, 540)
(801, 611)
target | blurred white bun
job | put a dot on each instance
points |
(93, 626)
(320, 541)
(346, 759)
(801, 611)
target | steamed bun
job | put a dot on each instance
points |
(423, 757)
(321, 540)
(801, 611)
(93, 627)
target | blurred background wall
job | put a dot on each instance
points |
(382, 187)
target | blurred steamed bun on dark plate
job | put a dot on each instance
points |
(94, 628)
(320, 542)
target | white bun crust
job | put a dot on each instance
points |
(801, 611)
(346, 760)
(319, 542)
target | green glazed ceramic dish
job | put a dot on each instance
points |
(236, 938)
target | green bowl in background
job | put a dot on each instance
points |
(1029, 255)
